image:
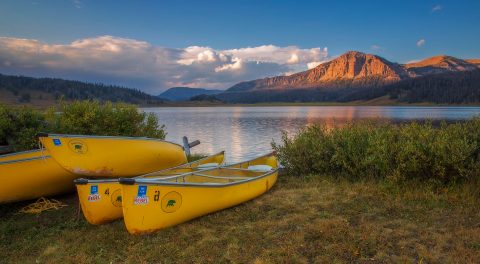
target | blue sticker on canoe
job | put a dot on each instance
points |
(57, 142)
(94, 189)
(142, 191)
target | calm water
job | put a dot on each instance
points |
(245, 132)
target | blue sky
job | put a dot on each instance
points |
(400, 31)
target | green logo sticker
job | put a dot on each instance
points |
(171, 202)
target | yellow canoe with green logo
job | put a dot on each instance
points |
(32, 174)
(109, 156)
(153, 204)
(101, 200)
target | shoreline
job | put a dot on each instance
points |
(266, 104)
(182, 104)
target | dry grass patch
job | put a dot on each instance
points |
(299, 221)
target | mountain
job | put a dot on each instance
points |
(357, 76)
(438, 64)
(185, 93)
(46, 91)
(350, 69)
(474, 61)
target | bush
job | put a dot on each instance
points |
(18, 126)
(365, 150)
(108, 119)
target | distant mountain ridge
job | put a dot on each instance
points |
(185, 93)
(350, 69)
(359, 76)
(439, 64)
(357, 69)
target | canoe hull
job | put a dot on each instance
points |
(97, 156)
(32, 175)
(168, 205)
(101, 202)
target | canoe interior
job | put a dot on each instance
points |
(193, 166)
(214, 176)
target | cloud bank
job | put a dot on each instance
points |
(139, 64)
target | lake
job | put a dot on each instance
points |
(245, 132)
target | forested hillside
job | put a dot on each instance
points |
(449, 88)
(46, 91)
(446, 88)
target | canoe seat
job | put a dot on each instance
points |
(208, 165)
(262, 168)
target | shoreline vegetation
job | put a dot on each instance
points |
(19, 125)
(365, 192)
(444, 154)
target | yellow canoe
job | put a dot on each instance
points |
(101, 200)
(153, 204)
(32, 174)
(107, 156)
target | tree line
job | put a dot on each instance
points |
(447, 88)
(22, 87)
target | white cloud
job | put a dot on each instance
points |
(377, 48)
(236, 64)
(421, 42)
(77, 3)
(139, 64)
(293, 59)
(280, 55)
(314, 64)
(437, 8)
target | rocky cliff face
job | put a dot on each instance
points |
(474, 61)
(356, 69)
(437, 65)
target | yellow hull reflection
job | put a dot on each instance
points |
(150, 205)
(101, 200)
(103, 156)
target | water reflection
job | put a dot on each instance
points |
(245, 132)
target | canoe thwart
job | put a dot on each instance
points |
(81, 181)
(128, 181)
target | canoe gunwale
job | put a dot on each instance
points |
(186, 184)
(248, 161)
(82, 181)
(25, 160)
(133, 180)
(48, 135)
(20, 152)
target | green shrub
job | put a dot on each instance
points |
(95, 118)
(18, 126)
(442, 154)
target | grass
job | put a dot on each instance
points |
(301, 220)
